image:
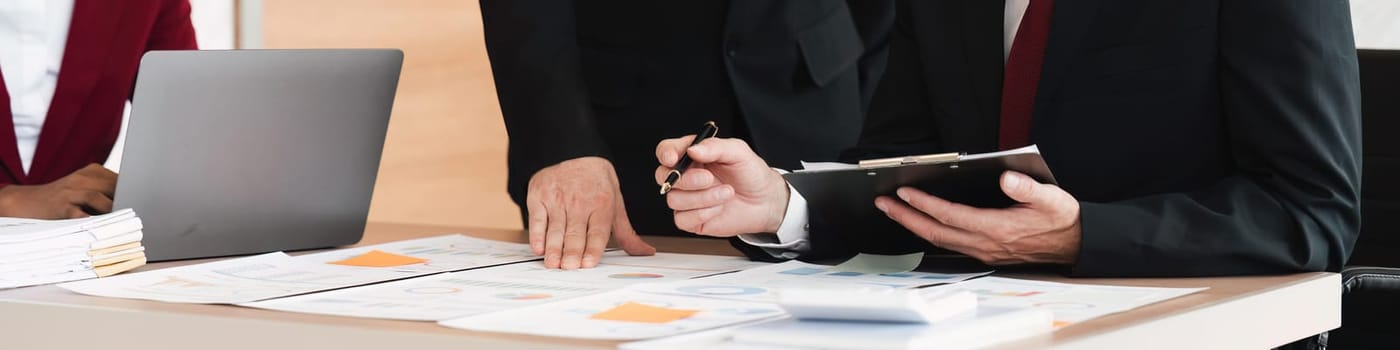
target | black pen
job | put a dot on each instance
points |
(708, 131)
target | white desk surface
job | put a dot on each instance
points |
(1235, 313)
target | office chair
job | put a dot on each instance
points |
(1371, 281)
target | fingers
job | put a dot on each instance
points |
(576, 230)
(93, 177)
(955, 214)
(627, 237)
(694, 220)
(1022, 188)
(554, 234)
(99, 203)
(668, 151)
(538, 218)
(690, 200)
(723, 151)
(76, 213)
(694, 178)
(926, 227)
(599, 230)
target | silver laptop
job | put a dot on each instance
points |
(249, 151)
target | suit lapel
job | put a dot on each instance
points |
(9, 147)
(1070, 22)
(90, 36)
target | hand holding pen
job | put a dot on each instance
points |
(719, 186)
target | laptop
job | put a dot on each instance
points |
(250, 151)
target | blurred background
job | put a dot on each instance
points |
(445, 157)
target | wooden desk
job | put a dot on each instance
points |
(1235, 313)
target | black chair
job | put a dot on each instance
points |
(1371, 282)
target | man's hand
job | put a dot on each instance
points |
(728, 190)
(1043, 228)
(87, 191)
(574, 207)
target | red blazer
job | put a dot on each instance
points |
(105, 42)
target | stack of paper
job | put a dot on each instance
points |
(34, 252)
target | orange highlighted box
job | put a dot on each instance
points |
(375, 258)
(643, 313)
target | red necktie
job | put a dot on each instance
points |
(1023, 74)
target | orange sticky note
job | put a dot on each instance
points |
(643, 313)
(375, 258)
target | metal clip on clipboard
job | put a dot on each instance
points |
(910, 160)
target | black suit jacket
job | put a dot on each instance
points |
(613, 78)
(1204, 137)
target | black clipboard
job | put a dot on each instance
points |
(968, 179)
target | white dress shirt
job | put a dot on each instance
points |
(791, 238)
(33, 34)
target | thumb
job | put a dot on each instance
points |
(626, 237)
(1022, 188)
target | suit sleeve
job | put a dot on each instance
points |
(173, 29)
(534, 56)
(1290, 97)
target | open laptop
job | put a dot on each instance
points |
(249, 151)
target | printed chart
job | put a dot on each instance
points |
(620, 315)
(763, 284)
(479, 291)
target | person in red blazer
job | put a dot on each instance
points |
(105, 42)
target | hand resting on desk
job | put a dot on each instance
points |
(574, 207)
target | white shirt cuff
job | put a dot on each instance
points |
(791, 239)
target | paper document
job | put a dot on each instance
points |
(985, 326)
(619, 315)
(881, 264)
(472, 292)
(1070, 303)
(819, 166)
(275, 275)
(764, 283)
(442, 253)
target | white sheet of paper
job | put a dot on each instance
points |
(472, 292)
(764, 283)
(444, 253)
(275, 275)
(1070, 303)
(881, 264)
(572, 318)
(820, 166)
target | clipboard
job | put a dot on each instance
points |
(845, 193)
(968, 179)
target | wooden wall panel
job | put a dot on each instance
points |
(444, 160)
